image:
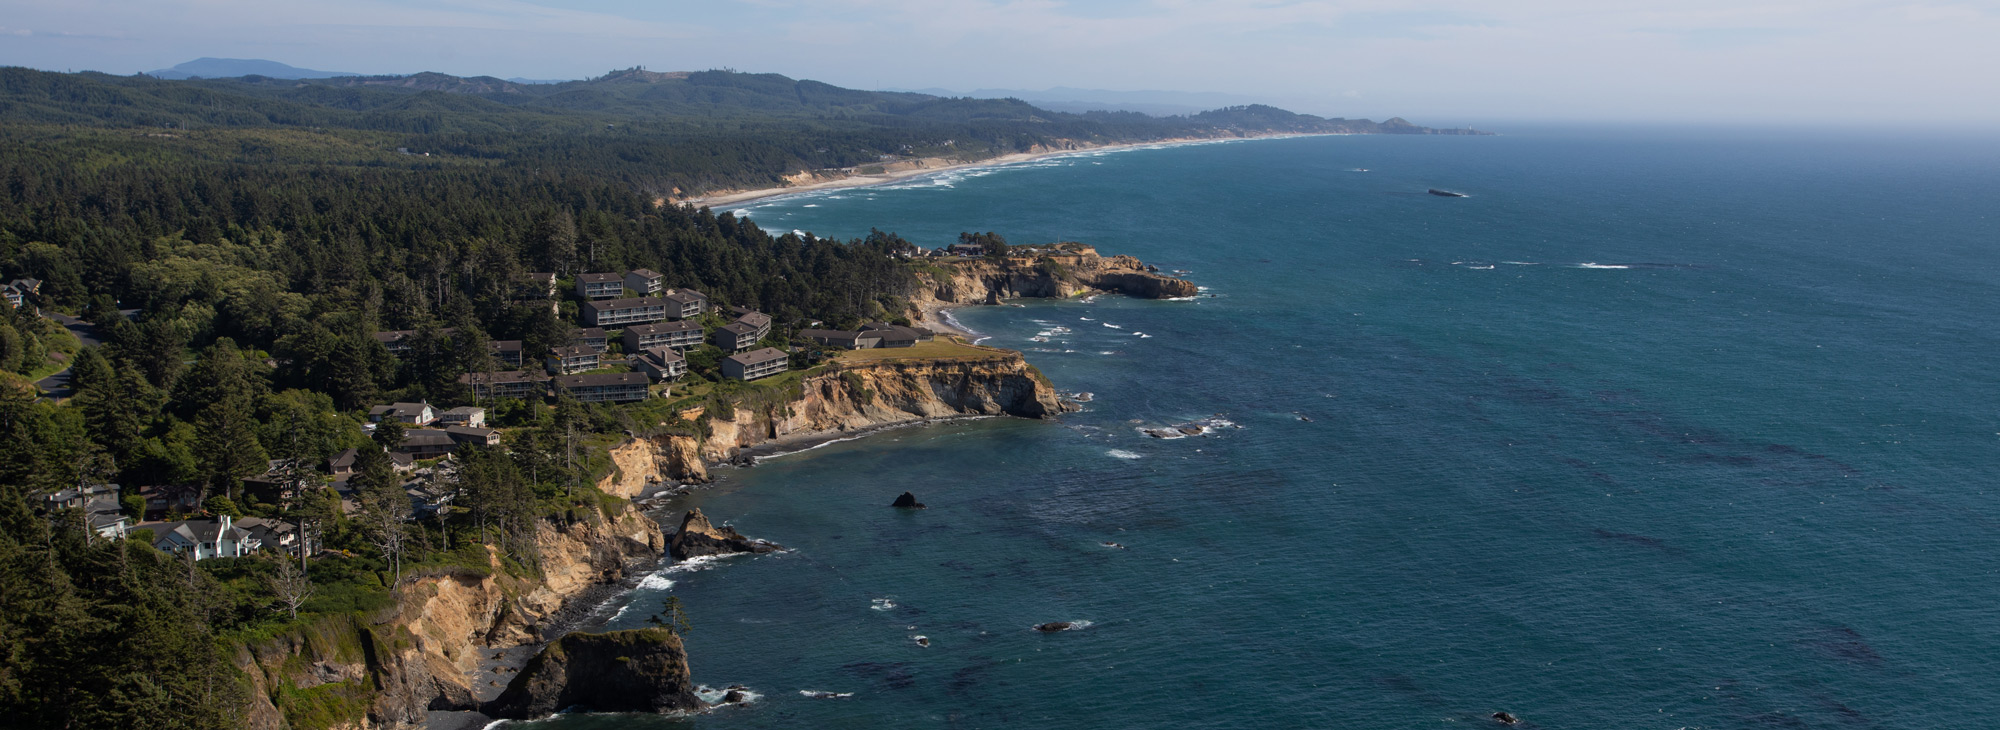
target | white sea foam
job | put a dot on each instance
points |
(1122, 454)
(712, 695)
(1589, 265)
(655, 582)
(1520, 263)
(1086, 319)
(824, 695)
(1107, 352)
(881, 604)
(811, 205)
(741, 212)
(1112, 326)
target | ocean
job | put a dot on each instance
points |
(1657, 428)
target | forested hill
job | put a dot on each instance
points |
(661, 133)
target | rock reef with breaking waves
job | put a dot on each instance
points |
(699, 538)
(1065, 271)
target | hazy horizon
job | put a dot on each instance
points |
(1441, 63)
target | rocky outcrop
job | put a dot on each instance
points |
(391, 668)
(645, 670)
(907, 500)
(860, 396)
(1080, 271)
(698, 538)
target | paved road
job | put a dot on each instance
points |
(57, 385)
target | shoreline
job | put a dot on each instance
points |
(735, 197)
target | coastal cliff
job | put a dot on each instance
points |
(1062, 272)
(643, 670)
(390, 668)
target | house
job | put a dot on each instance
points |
(853, 340)
(164, 499)
(966, 249)
(506, 352)
(896, 335)
(272, 533)
(400, 341)
(755, 364)
(414, 414)
(636, 310)
(538, 285)
(101, 510)
(593, 338)
(216, 538)
(401, 462)
(678, 335)
(692, 303)
(604, 387)
(13, 295)
(473, 435)
(758, 321)
(646, 282)
(572, 359)
(342, 464)
(424, 443)
(27, 285)
(661, 363)
(464, 416)
(600, 286)
(506, 384)
(734, 337)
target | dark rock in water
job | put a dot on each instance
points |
(1112, 545)
(697, 538)
(735, 696)
(1190, 430)
(907, 501)
(622, 671)
(1446, 193)
(1504, 718)
(923, 641)
(1054, 626)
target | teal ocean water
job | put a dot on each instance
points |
(1656, 429)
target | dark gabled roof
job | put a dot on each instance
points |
(572, 350)
(465, 410)
(762, 355)
(589, 333)
(648, 273)
(426, 437)
(738, 328)
(754, 318)
(685, 295)
(627, 303)
(344, 458)
(662, 354)
(503, 345)
(600, 379)
(597, 278)
(474, 431)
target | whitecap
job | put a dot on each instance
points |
(1589, 265)
(656, 582)
(1122, 454)
(811, 205)
(740, 212)
(1112, 326)
(881, 604)
(1520, 263)
(1086, 319)
(824, 695)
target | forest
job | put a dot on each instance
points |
(238, 245)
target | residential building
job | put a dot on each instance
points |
(755, 364)
(734, 337)
(644, 281)
(13, 295)
(165, 499)
(473, 435)
(849, 339)
(692, 303)
(758, 321)
(617, 312)
(506, 384)
(414, 414)
(464, 416)
(272, 533)
(679, 335)
(604, 387)
(424, 443)
(600, 286)
(342, 464)
(400, 341)
(571, 359)
(506, 352)
(101, 510)
(216, 538)
(27, 285)
(966, 249)
(661, 363)
(593, 338)
(896, 335)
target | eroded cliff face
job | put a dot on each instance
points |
(644, 670)
(390, 669)
(871, 395)
(987, 281)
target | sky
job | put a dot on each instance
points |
(1436, 62)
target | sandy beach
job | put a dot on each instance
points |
(936, 165)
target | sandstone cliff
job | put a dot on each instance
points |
(389, 669)
(987, 280)
(621, 671)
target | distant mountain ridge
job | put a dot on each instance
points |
(227, 68)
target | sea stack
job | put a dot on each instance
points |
(622, 671)
(907, 501)
(697, 537)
